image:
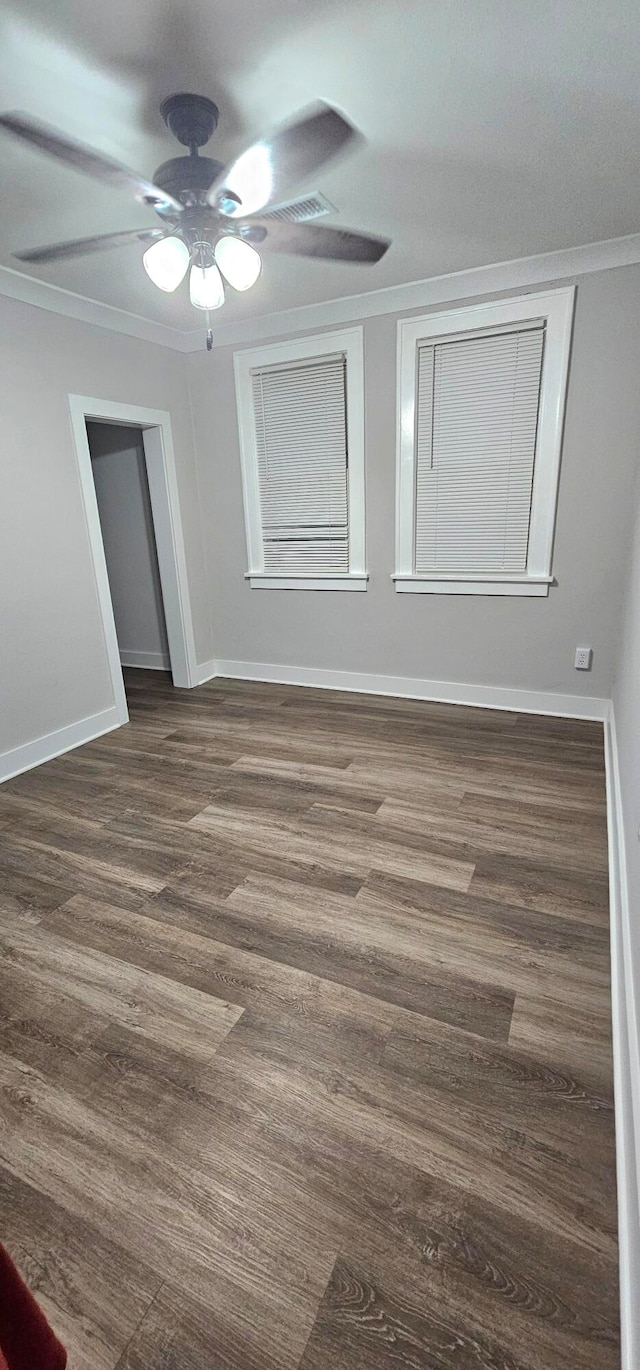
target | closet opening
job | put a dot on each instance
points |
(127, 472)
(126, 521)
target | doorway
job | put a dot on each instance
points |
(128, 536)
(127, 474)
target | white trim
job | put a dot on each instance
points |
(626, 1059)
(90, 502)
(476, 585)
(165, 507)
(172, 561)
(350, 342)
(207, 670)
(146, 661)
(42, 749)
(517, 273)
(556, 308)
(406, 687)
(261, 581)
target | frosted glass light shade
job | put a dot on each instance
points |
(251, 179)
(166, 262)
(205, 287)
(238, 261)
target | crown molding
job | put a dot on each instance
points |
(17, 285)
(518, 273)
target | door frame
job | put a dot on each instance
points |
(160, 462)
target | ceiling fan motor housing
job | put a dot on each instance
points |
(187, 179)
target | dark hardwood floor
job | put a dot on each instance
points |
(304, 1037)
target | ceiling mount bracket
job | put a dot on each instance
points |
(192, 119)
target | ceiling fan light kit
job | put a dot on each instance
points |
(166, 262)
(211, 214)
(238, 261)
(206, 290)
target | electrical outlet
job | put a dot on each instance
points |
(582, 659)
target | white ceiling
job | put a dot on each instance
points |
(495, 128)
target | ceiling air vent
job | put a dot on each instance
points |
(313, 206)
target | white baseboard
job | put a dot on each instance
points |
(625, 997)
(148, 661)
(437, 691)
(53, 744)
(207, 670)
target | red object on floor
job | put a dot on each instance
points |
(26, 1339)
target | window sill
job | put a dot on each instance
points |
(473, 585)
(260, 580)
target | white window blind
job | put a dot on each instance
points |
(476, 425)
(301, 446)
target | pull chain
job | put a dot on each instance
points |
(209, 333)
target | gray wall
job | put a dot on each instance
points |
(53, 663)
(522, 643)
(124, 505)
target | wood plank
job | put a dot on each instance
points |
(337, 938)
(534, 884)
(365, 1322)
(155, 1005)
(326, 839)
(457, 1140)
(93, 1293)
(529, 1091)
(249, 980)
(184, 1332)
(372, 1318)
(576, 1036)
(219, 1241)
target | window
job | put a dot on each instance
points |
(481, 401)
(301, 422)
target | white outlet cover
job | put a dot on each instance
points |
(582, 659)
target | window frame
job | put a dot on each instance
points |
(555, 307)
(350, 342)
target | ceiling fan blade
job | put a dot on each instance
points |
(316, 240)
(263, 172)
(86, 160)
(81, 247)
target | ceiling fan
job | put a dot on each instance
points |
(214, 217)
